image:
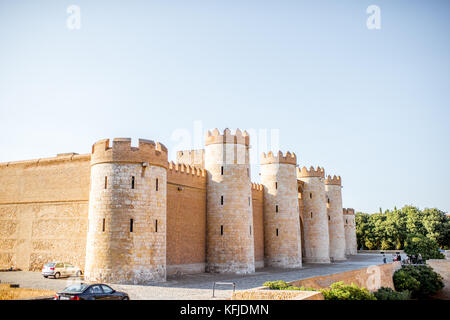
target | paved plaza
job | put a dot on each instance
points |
(199, 286)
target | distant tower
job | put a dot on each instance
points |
(315, 218)
(335, 218)
(350, 231)
(282, 240)
(126, 241)
(230, 243)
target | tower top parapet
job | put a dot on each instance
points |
(289, 158)
(311, 172)
(239, 137)
(257, 187)
(333, 180)
(121, 151)
(350, 211)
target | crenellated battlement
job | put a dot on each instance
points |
(257, 187)
(186, 175)
(289, 158)
(181, 168)
(350, 211)
(121, 151)
(333, 180)
(239, 137)
(311, 172)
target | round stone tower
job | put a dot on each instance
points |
(350, 231)
(126, 240)
(229, 235)
(335, 218)
(315, 217)
(282, 240)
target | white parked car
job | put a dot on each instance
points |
(60, 269)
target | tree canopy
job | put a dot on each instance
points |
(389, 230)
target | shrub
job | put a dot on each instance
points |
(276, 285)
(388, 294)
(428, 248)
(422, 281)
(341, 291)
(338, 291)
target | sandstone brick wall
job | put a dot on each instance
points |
(186, 220)
(230, 244)
(258, 294)
(442, 266)
(282, 240)
(315, 221)
(114, 253)
(372, 278)
(350, 232)
(258, 224)
(43, 211)
(335, 222)
(300, 185)
(127, 184)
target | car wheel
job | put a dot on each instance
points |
(126, 298)
(57, 275)
(45, 276)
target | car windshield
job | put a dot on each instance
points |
(80, 287)
(49, 265)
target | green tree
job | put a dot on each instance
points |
(437, 226)
(414, 220)
(389, 230)
(362, 229)
(428, 249)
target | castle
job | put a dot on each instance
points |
(126, 215)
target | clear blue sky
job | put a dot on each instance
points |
(370, 105)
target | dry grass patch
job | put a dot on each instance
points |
(7, 293)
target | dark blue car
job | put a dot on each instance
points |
(84, 291)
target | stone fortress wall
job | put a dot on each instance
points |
(350, 231)
(335, 218)
(281, 210)
(125, 214)
(315, 217)
(44, 211)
